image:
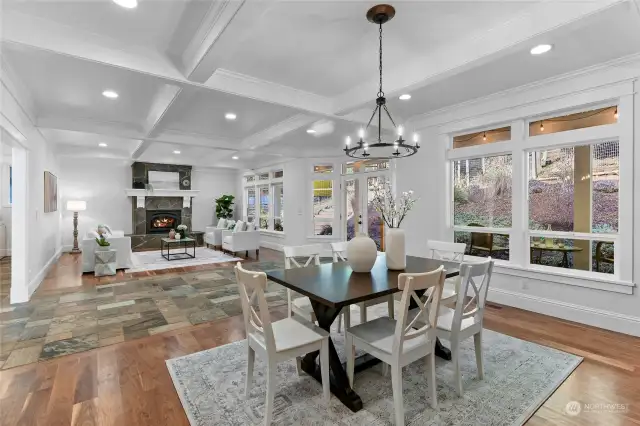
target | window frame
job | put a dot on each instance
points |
(519, 147)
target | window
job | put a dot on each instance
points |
(482, 137)
(278, 207)
(482, 199)
(580, 120)
(278, 174)
(249, 178)
(323, 168)
(251, 204)
(364, 166)
(574, 190)
(263, 176)
(264, 207)
(323, 207)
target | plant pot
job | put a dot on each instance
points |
(103, 248)
(395, 249)
(362, 253)
(178, 236)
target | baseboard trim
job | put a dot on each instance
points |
(37, 280)
(272, 246)
(621, 323)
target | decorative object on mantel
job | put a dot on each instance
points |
(400, 147)
(393, 210)
(75, 206)
(103, 244)
(181, 231)
(362, 253)
(172, 234)
(105, 262)
(224, 207)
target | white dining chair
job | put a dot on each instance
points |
(339, 251)
(465, 321)
(276, 341)
(298, 304)
(452, 252)
(397, 343)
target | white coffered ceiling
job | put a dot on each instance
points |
(281, 66)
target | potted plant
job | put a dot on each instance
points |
(393, 210)
(103, 244)
(181, 231)
(224, 207)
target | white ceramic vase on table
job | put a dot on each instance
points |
(362, 253)
(395, 249)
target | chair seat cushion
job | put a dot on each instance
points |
(293, 332)
(228, 239)
(380, 333)
(445, 319)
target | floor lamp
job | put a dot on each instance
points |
(75, 207)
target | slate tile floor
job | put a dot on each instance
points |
(79, 319)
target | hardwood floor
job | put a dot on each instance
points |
(128, 383)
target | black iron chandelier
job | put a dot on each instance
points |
(400, 147)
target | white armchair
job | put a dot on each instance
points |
(118, 242)
(213, 234)
(235, 241)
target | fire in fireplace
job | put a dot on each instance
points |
(162, 221)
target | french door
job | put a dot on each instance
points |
(358, 215)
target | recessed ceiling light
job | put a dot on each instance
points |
(102, 144)
(176, 152)
(310, 131)
(540, 49)
(110, 94)
(230, 116)
(235, 157)
(405, 97)
(127, 4)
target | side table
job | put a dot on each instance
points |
(105, 262)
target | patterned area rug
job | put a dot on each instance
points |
(519, 377)
(153, 260)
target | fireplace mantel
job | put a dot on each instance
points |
(141, 194)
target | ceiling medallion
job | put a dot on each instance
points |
(400, 147)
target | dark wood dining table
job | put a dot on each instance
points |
(331, 287)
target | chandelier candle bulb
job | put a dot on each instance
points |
(400, 131)
(348, 140)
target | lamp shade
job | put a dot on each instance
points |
(76, 206)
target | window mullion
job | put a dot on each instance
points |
(518, 249)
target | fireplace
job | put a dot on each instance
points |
(162, 221)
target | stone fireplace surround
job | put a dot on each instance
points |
(141, 239)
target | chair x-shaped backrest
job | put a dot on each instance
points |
(472, 274)
(311, 252)
(427, 314)
(339, 251)
(443, 250)
(252, 285)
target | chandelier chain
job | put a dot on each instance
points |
(380, 92)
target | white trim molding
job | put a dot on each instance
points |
(582, 314)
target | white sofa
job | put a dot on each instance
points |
(213, 234)
(240, 239)
(118, 242)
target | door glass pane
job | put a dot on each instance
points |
(353, 210)
(323, 207)
(375, 224)
(251, 204)
(264, 207)
(278, 207)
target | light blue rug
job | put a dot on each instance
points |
(519, 377)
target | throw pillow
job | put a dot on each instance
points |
(239, 226)
(222, 223)
(93, 234)
(231, 224)
(108, 228)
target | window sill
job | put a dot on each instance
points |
(568, 277)
(278, 234)
(322, 237)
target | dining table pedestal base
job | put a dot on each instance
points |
(339, 381)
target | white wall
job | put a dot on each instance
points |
(39, 245)
(212, 183)
(5, 209)
(426, 174)
(101, 183)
